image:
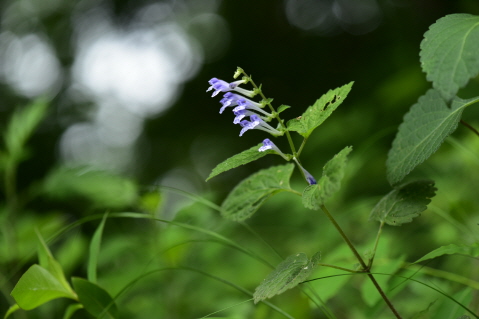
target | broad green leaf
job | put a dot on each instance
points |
(21, 126)
(450, 52)
(404, 203)
(316, 114)
(48, 262)
(100, 188)
(245, 199)
(423, 130)
(95, 250)
(467, 250)
(95, 299)
(242, 158)
(288, 274)
(38, 286)
(333, 172)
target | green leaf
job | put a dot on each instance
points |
(423, 130)
(100, 188)
(11, 310)
(71, 309)
(242, 158)
(404, 203)
(21, 126)
(283, 108)
(316, 114)
(245, 199)
(467, 250)
(95, 250)
(449, 52)
(48, 262)
(38, 286)
(288, 274)
(95, 299)
(333, 172)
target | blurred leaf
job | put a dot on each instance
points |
(467, 250)
(449, 52)
(21, 126)
(71, 309)
(242, 158)
(102, 189)
(95, 299)
(245, 199)
(95, 250)
(50, 264)
(288, 274)
(11, 310)
(333, 172)
(316, 114)
(423, 130)
(38, 286)
(404, 203)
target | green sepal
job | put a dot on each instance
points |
(242, 158)
(404, 203)
(316, 114)
(245, 199)
(288, 274)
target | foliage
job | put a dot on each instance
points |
(111, 263)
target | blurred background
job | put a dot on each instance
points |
(125, 82)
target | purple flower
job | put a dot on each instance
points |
(240, 114)
(229, 99)
(222, 86)
(309, 178)
(256, 122)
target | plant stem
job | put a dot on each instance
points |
(361, 261)
(370, 263)
(469, 126)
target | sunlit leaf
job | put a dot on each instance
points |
(100, 188)
(330, 182)
(449, 52)
(245, 199)
(242, 158)
(95, 299)
(466, 250)
(288, 274)
(423, 130)
(316, 114)
(404, 203)
(38, 286)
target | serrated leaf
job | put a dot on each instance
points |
(422, 131)
(245, 199)
(21, 126)
(38, 286)
(330, 182)
(316, 114)
(288, 274)
(449, 52)
(95, 299)
(467, 250)
(404, 203)
(242, 158)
